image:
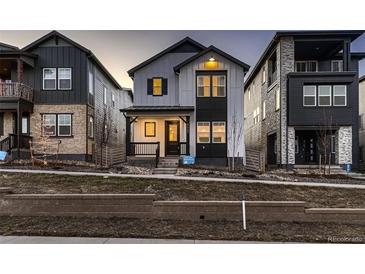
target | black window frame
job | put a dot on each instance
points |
(57, 88)
(211, 73)
(145, 129)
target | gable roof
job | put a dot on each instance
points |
(89, 53)
(197, 45)
(352, 34)
(9, 47)
(362, 78)
(216, 50)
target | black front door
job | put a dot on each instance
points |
(172, 137)
(306, 148)
(271, 149)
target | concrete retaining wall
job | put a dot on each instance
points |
(144, 206)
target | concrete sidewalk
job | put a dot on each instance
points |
(78, 240)
(174, 177)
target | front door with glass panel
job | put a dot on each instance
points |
(172, 137)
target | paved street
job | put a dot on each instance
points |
(77, 240)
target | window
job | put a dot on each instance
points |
(219, 132)
(49, 124)
(333, 143)
(339, 95)
(113, 100)
(306, 66)
(91, 82)
(337, 65)
(272, 69)
(324, 96)
(309, 96)
(277, 99)
(256, 116)
(64, 78)
(249, 94)
(104, 95)
(263, 75)
(91, 127)
(157, 86)
(64, 124)
(150, 129)
(203, 132)
(203, 86)
(296, 144)
(219, 85)
(49, 78)
(25, 125)
(253, 88)
(264, 110)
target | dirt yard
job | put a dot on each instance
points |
(183, 190)
(203, 230)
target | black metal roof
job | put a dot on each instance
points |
(168, 50)
(216, 50)
(352, 34)
(90, 54)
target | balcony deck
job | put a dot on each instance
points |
(15, 91)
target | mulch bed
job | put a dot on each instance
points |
(203, 230)
(176, 190)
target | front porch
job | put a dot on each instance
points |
(158, 133)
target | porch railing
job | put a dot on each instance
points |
(145, 149)
(184, 148)
(11, 142)
(18, 90)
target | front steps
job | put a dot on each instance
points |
(167, 165)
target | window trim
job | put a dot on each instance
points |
(263, 78)
(55, 124)
(210, 74)
(330, 95)
(197, 132)
(145, 129)
(197, 85)
(277, 93)
(58, 125)
(264, 110)
(212, 86)
(315, 96)
(58, 78)
(153, 86)
(225, 132)
(55, 79)
(91, 80)
(333, 94)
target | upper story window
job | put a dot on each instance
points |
(91, 82)
(272, 69)
(339, 95)
(309, 96)
(263, 110)
(249, 94)
(90, 128)
(104, 95)
(157, 86)
(324, 96)
(219, 85)
(113, 100)
(306, 66)
(253, 87)
(64, 78)
(203, 86)
(256, 116)
(263, 74)
(49, 78)
(277, 99)
(337, 65)
(211, 85)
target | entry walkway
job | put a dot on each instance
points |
(175, 177)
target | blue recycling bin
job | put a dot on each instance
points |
(188, 160)
(348, 168)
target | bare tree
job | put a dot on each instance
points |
(234, 138)
(105, 129)
(324, 139)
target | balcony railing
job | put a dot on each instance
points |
(16, 90)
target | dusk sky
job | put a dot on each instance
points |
(119, 51)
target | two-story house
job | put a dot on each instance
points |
(362, 122)
(57, 88)
(301, 100)
(188, 100)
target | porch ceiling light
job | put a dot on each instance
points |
(211, 59)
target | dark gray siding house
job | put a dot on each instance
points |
(54, 87)
(303, 100)
(188, 100)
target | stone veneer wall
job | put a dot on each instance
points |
(344, 145)
(70, 145)
(287, 60)
(291, 145)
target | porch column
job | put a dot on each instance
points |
(18, 127)
(128, 135)
(20, 71)
(187, 135)
(346, 55)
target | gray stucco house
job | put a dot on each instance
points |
(188, 100)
